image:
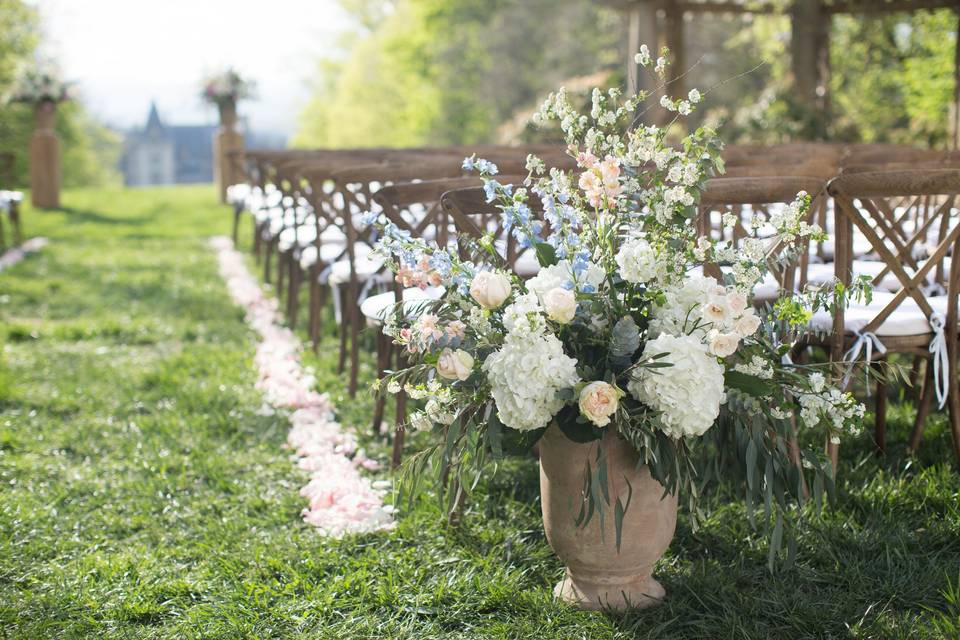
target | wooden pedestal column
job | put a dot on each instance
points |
(45, 159)
(227, 141)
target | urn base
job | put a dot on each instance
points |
(608, 593)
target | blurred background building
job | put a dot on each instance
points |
(167, 154)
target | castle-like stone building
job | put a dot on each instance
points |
(168, 154)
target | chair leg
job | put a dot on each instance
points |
(3, 235)
(293, 295)
(356, 319)
(15, 223)
(833, 450)
(267, 252)
(257, 242)
(880, 413)
(282, 261)
(344, 329)
(398, 431)
(383, 361)
(953, 403)
(923, 410)
(312, 306)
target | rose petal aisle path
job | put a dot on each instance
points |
(340, 499)
(146, 492)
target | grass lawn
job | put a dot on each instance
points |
(144, 497)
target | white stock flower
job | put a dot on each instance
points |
(560, 305)
(637, 261)
(598, 401)
(688, 393)
(490, 289)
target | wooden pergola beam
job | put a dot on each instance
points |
(888, 6)
(836, 6)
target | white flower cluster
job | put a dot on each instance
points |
(840, 410)
(757, 367)
(702, 307)
(528, 371)
(688, 394)
(789, 220)
(637, 261)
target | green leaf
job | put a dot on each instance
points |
(619, 510)
(495, 430)
(581, 432)
(546, 254)
(519, 443)
(776, 540)
(750, 385)
(751, 464)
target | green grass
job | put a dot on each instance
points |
(144, 497)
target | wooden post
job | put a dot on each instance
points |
(675, 42)
(956, 88)
(45, 158)
(809, 50)
(227, 144)
(642, 29)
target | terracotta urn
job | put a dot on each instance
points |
(598, 576)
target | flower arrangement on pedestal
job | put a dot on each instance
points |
(620, 340)
(41, 84)
(226, 87)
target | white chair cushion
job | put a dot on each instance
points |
(375, 308)
(819, 274)
(526, 265)
(329, 252)
(906, 320)
(366, 265)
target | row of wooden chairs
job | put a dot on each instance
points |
(313, 230)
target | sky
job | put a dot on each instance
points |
(124, 53)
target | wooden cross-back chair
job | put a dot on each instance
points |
(474, 217)
(919, 320)
(415, 208)
(348, 198)
(744, 196)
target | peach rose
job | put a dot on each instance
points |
(598, 401)
(490, 289)
(455, 365)
(560, 305)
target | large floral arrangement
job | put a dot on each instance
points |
(621, 328)
(226, 86)
(40, 84)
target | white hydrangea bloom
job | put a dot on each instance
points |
(525, 376)
(687, 394)
(637, 261)
(524, 316)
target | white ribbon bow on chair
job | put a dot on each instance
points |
(941, 363)
(866, 341)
